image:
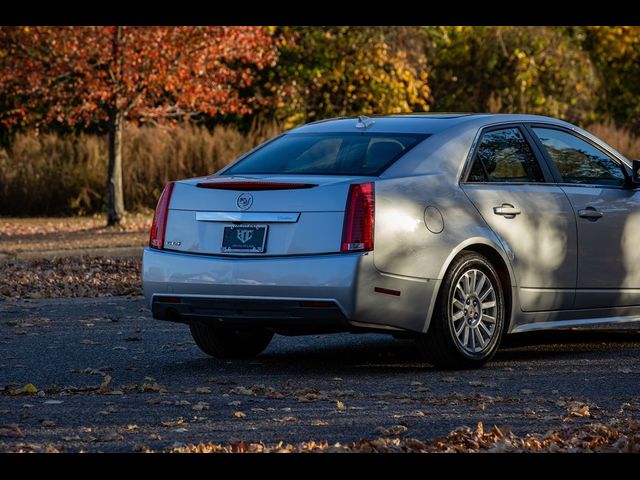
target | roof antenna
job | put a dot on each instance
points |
(364, 122)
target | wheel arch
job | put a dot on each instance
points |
(498, 258)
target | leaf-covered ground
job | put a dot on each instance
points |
(616, 437)
(19, 235)
(70, 277)
(79, 374)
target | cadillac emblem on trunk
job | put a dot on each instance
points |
(244, 201)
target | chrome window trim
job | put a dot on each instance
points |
(546, 171)
(529, 125)
(620, 161)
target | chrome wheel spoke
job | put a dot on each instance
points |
(466, 285)
(484, 296)
(484, 327)
(488, 305)
(480, 285)
(465, 340)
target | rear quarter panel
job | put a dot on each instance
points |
(410, 246)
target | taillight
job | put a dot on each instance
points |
(357, 229)
(159, 225)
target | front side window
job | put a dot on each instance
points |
(327, 154)
(505, 156)
(579, 161)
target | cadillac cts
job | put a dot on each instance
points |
(452, 229)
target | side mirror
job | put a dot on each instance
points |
(636, 172)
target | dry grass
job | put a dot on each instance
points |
(52, 175)
(619, 138)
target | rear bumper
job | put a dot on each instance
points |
(320, 277)
(272, 291)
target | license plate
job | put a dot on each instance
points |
(244, 239)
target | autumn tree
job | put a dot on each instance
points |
(80, 76)
(331, 71)
(538, 70)
(615, 51)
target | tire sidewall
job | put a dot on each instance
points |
(469, 263)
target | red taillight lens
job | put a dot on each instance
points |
(159, 225)
(357, 230)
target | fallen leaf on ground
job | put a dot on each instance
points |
(152, 387)
(70, 277)
(241, 391)
(173, 423)
(577, 410)
(200, 406)
(111, 437)
(394, 430)
(29, 389)
(104, 387)
(11, 431)
(286, 420)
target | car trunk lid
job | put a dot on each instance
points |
(296, 214)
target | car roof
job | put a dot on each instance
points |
(426, 123)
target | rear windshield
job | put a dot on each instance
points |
(327, 154)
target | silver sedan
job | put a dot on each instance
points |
(453, 229)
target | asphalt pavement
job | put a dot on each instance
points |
(110, 378)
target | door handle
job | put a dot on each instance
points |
(506, 210)
(590, 213)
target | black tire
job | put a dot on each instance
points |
(439, 345)
(228, 343)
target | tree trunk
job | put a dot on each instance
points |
(115, 192)
(115, 195)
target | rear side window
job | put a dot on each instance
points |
(505, 156)
(327, 154)
(579, 161)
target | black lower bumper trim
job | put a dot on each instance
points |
(227, 312)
